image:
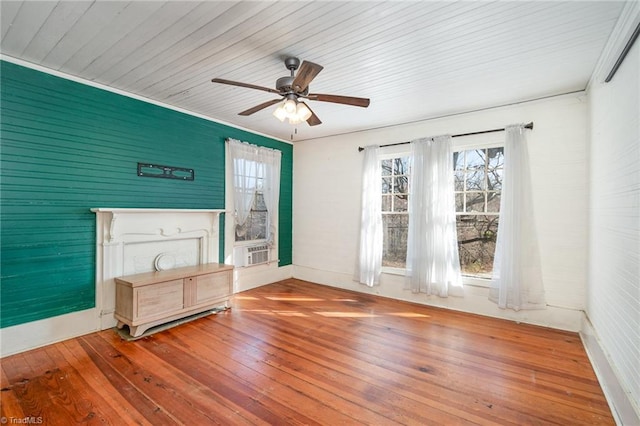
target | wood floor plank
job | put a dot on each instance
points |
(331, 371)
(295, 352)
(325, 402)
(167, 383)
(236, 391)
(122, 382)
(250, 366)
(10, 404)
(114, 404)
(393, 365)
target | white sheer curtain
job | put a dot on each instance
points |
(517, 278)
(433, 266)
(270, 158)
(370, 247)
(254, 168)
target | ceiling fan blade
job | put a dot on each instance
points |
(247, 85)
(313, 120)
(337, 99)
(306, 73)
(259, 107)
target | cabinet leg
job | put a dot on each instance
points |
(120, 325)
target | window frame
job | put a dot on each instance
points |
(483, 141)
(231, 246)
(382, 158)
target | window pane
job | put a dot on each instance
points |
(386, 203)
(493, 202)
(259, 225)
(401, 165)
(258, 203)
(458, 160)
(459, 180)
(475, 159)
(395, 230)
(475, 180)
(401, 185)
(386, 167)
(494, 178)
(477, 236)
(386, 185)
(475, 201)
(400, 203)
(496, 157)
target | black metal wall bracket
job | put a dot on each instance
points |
(167, 172)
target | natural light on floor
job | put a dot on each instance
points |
(324, 313)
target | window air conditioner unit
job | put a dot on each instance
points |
(254, 255)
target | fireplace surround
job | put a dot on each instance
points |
(131, 241)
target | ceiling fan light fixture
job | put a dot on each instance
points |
(280, 113)
(290, 107)
(303, 112)
(296, 112)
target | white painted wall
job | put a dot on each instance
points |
(613, 303)
(327, 176)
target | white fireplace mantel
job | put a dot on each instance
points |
(132, 240)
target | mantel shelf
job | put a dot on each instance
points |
(138, 210)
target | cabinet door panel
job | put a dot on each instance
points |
(162, 298)
(212, 286)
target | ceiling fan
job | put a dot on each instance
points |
(292, 89)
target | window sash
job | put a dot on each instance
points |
(390, 210)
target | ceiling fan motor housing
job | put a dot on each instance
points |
(283, 84)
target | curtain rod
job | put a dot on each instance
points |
(526, 126)
(624, 53)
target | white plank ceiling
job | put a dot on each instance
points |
(414, 60)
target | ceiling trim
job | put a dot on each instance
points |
(11, 59)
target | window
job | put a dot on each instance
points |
(478, 182)
(395, 214)
(254, 188)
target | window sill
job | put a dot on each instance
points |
(476, 282)
(393, 271)
(249, 243)
(466, 280)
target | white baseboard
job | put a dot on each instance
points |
(256, 276)
(475, 300)
(31, 335)
(623, 410)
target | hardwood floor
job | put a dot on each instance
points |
(301, 353)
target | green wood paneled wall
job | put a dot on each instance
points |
(67, 147)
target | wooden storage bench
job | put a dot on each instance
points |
(152, 298)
